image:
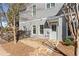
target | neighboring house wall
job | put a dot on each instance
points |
(29, 25)
(60, 28)
(64, 28)
(42, 14)
(41, 11)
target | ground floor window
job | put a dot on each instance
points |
(41, 29)
(34, 29)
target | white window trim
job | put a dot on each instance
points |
(51, 6)
(42, 29)
(46, 6)
(33, 29)
(32, 10)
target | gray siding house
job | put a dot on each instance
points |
(44, 20)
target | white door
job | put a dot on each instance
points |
(53, 34)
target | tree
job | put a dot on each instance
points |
(2, 14)
(77, 6)
(71, 13)
(13, 15)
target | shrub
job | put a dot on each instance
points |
(69, 37)
(68, 41)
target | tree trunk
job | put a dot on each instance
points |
(74, 31)
(14, 30)
(1, 26)
(77, 42)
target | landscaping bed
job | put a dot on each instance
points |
(67, 50)
(18, 49)
(29, 47)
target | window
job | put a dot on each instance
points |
(34, 29)
(41, 29)
(53, 27)
(50, 5)
(34, 10)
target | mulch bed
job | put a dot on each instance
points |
(2, 41)
(67, 50)
(18, 49)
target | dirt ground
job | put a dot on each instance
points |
(29, 47)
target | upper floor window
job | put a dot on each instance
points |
(34, 10)
(50, 5)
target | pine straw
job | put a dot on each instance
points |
(21, 49)
(18, 49)
(68, 50)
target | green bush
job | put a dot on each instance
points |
(69, 37)
(68, 41)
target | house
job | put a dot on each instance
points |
(44, 20)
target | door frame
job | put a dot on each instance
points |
(56, 29)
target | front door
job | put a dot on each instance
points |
(54, 31)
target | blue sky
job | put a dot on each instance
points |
(5, 9)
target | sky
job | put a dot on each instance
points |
(5, 7)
